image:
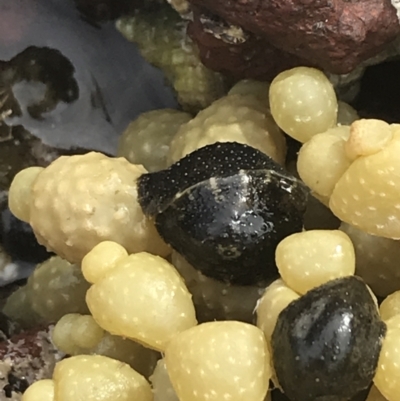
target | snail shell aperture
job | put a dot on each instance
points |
(225, 208)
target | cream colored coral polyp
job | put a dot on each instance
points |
(311, 258)
(19, 194)
(303, 102)
(138, 357)
(367, 137)
(377, 260)
(56, 287)
(74, 338)
(80, 201)
(375, 395)
(388, 370)
(95, 377)
(146, 140)
(101, 259)
(342, 131)
(143, 298)
(368, 192)
(233, 118)
(252, 87)
(219, 361)
(275, 299)
(61, 335)
(86, 333)
(390, 306)
(322, 161)
(42, 390)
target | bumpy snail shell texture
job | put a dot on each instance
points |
(225, 208)
(326, 344)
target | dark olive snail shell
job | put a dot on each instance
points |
(326, 344)
(225, 208)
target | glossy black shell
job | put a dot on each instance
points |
(326, 344)
(225, 208)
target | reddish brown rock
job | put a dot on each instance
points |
(235, 53)
(336, 35)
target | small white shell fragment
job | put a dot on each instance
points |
(219, 361)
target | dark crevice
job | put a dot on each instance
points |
(379, 96)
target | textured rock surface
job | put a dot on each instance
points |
(236, 53)
(337, 35)
(240, 54)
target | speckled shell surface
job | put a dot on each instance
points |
(225, 207)
(326, 344)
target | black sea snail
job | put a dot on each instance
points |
(326, 344)
(225, 208)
